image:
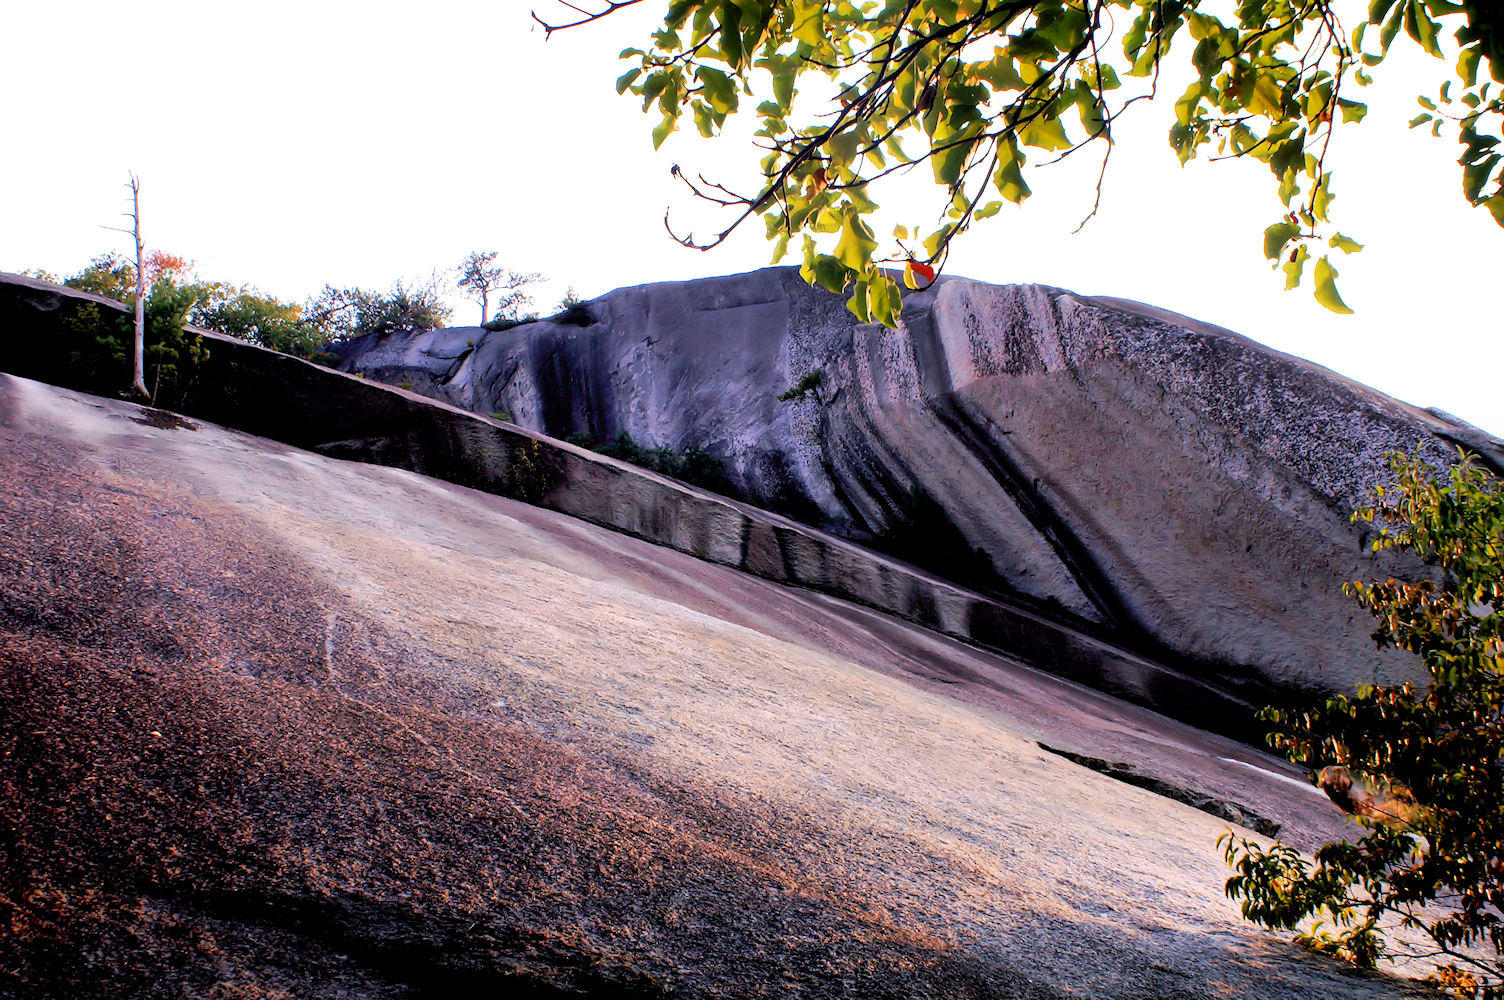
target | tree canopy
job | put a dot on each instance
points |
(481, 278)
(340, 314)
(849, 92)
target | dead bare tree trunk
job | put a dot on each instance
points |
(138, 369)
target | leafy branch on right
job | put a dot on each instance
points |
(1419, 766)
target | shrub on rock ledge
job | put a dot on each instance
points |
(1420, 767)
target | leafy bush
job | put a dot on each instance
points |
(496, 324)
(340, 314)
(234, 310)
(1426, 763)
(252, 315)
(574, 314)
(173, 353)
(110, 275)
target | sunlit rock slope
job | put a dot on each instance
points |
(1180, 486)
(274, 724)
(47, 331)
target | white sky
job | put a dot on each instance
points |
(289, 144)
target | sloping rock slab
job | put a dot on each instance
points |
(275, 725)
(292, 401)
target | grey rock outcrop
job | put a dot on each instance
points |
(273, 725)
(1171, 484)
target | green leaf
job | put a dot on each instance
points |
(783, 82)
(1276, 236)
(809, 21)
(856, 245)
(1289, 185)
(1475, 175)
(1496, 208)
(1266, 96)
(1001, 71)
(1009, 178)
(950, 161)
(1138, 33)
(882, 299)
(823, 270)
(933, 241)
(1093, 118)
(781, 247)
(1322, 197)
(665, 128)
(843, 146)
(1467, 65)
(1343, 243)
(627, 79)
(1293, 267)
(1045, 133)
(1424, 28)
(1202, 26)
(859, 201)
(1288, 155)
(719, 89)
(731, 34)
(858, 301)
(704, 119)
(1326, 287)
(1185, 108)
(1391, 27)
(652, 87)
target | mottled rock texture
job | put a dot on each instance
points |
(308, 406)
(276, 725)
(1177, 487)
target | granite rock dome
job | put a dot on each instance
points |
(1171, 483)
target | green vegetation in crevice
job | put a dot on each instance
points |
(808, 385)
(530, 473)
(688, 465)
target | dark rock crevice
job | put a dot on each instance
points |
(1233, 812)
(1023, 490)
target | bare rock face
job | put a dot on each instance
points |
(278, 725)
(1168, 483)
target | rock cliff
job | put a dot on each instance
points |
(278, 725)
(1169, 484)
